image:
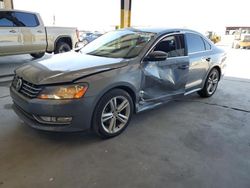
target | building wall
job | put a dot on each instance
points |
(7, 4)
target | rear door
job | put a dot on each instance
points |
(165, 79)
(199, 52)
(10, 37)
(33, 32)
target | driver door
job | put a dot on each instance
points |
(165, 79)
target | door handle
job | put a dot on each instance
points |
(183, 67)
(12, 31)
(39, 31)
(207, 59)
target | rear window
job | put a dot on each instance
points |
(195, 43)
(26, 19)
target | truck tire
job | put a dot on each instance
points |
(62, 47)
(38, 55)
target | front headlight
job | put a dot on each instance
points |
(63, 92)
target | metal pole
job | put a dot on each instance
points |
(12, 4)
(125, 13)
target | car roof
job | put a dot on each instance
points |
(161, 30)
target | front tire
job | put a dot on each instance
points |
(38, 55)
(62, 47)
(211, 84)
(113, 113)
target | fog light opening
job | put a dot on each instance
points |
(53, 120)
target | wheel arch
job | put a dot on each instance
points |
(130, 89)
(217, 67)
(65, 38)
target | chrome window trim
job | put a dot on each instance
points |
(177, 57)
(199, 52)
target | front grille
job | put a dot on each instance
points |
(27, 89)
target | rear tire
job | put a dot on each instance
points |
(38, 55)
(112, 113)
(211, 84)
(62, 47)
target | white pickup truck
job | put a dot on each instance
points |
(23, 32)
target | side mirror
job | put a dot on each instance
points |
(156, 56)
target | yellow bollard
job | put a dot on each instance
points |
(125, 13)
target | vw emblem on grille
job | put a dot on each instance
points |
(19, 84)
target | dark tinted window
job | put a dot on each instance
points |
(6, 19)
(26, 19)
(173, 45)
(207, 45)
(195, 43)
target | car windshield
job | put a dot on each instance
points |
(119, 44)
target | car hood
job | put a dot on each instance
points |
(67, 67)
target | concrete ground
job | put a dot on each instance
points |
(190, 143)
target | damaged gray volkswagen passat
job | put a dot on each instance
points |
(123, 72)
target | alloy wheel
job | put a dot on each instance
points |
(212, 82)
(115, 114)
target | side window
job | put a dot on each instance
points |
(207, 45)
(26, 19)
(195, 43)
(173, 45)
(6, 19)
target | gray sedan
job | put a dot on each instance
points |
(122, 72)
